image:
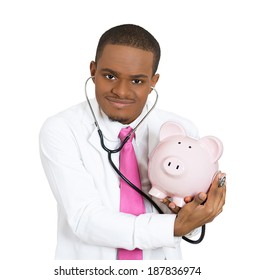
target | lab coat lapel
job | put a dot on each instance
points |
(94, 140)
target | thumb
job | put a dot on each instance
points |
(200, 198)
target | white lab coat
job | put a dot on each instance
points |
(86, 189)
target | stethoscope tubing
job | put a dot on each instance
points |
(112, 151)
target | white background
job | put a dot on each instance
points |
(207, 71)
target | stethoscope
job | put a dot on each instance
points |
(117, 150)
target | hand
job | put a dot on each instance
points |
(202, 209)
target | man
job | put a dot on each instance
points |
(90, 223)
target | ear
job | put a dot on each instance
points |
(213, 145)
(92, 68)
(154, 81)
(170, 129)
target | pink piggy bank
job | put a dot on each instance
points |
(182, 166)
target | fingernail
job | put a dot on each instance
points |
(202, 196)
(172, 205)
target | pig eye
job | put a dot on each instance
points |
(179, 143)
(189, 147)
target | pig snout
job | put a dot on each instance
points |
(173, 166)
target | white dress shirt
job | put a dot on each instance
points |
(86, 187)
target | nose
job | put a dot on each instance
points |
(121, 88)
(173, 166)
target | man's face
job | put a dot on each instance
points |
(123, 79)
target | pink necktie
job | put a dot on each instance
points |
(130, 200)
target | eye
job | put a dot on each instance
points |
(136, 82)
(190, 147)
(179, 143)
(110, 77)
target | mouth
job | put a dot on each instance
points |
(119, 102)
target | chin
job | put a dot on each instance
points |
(119, 119)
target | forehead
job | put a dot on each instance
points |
(125, 59)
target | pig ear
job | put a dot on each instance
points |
(213, 145)
(170, 129)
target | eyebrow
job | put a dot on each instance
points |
(115, 73)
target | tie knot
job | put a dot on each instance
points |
(124, 132)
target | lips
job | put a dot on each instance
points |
(119, 102)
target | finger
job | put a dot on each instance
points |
(197, 201)
(166, 200)
(219, 181)
(173, 207)
(199, 198)
(216, 194)
(215, 198)
(188, 199)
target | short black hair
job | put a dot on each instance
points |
(133, 36)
